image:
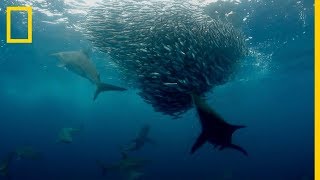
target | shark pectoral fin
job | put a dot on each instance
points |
(199, 142)
(236, 147)
(101, 87)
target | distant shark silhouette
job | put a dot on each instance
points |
(79, 63)
(140, 140)
(214, 129)
(128, 166)
(66, 135)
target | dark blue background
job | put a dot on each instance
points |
(37, 99)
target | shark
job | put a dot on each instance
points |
(141, 139)
(66, 135)
(130, 167)
(215, 129)
(79, 63)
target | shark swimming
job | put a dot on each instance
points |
(140, 140)
(79, 63)
(130, 167)
(66, 135)
(215, 129)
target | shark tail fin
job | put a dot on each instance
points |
(199, 142)
(101, 87)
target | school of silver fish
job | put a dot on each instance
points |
(167, 49)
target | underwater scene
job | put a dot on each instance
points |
(156, 89)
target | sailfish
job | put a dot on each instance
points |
(215, 129)
(140, 140)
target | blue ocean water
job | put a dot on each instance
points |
(273, 95)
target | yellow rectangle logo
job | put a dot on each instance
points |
(28, 9)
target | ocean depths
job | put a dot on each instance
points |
(272, 94)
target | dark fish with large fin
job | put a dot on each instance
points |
(215, 130)
(140, 140)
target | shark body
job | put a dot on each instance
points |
(79, 63)
(66, 135)
(140, 140)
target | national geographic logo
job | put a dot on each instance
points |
(11, 9)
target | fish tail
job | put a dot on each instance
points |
(101, 87)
